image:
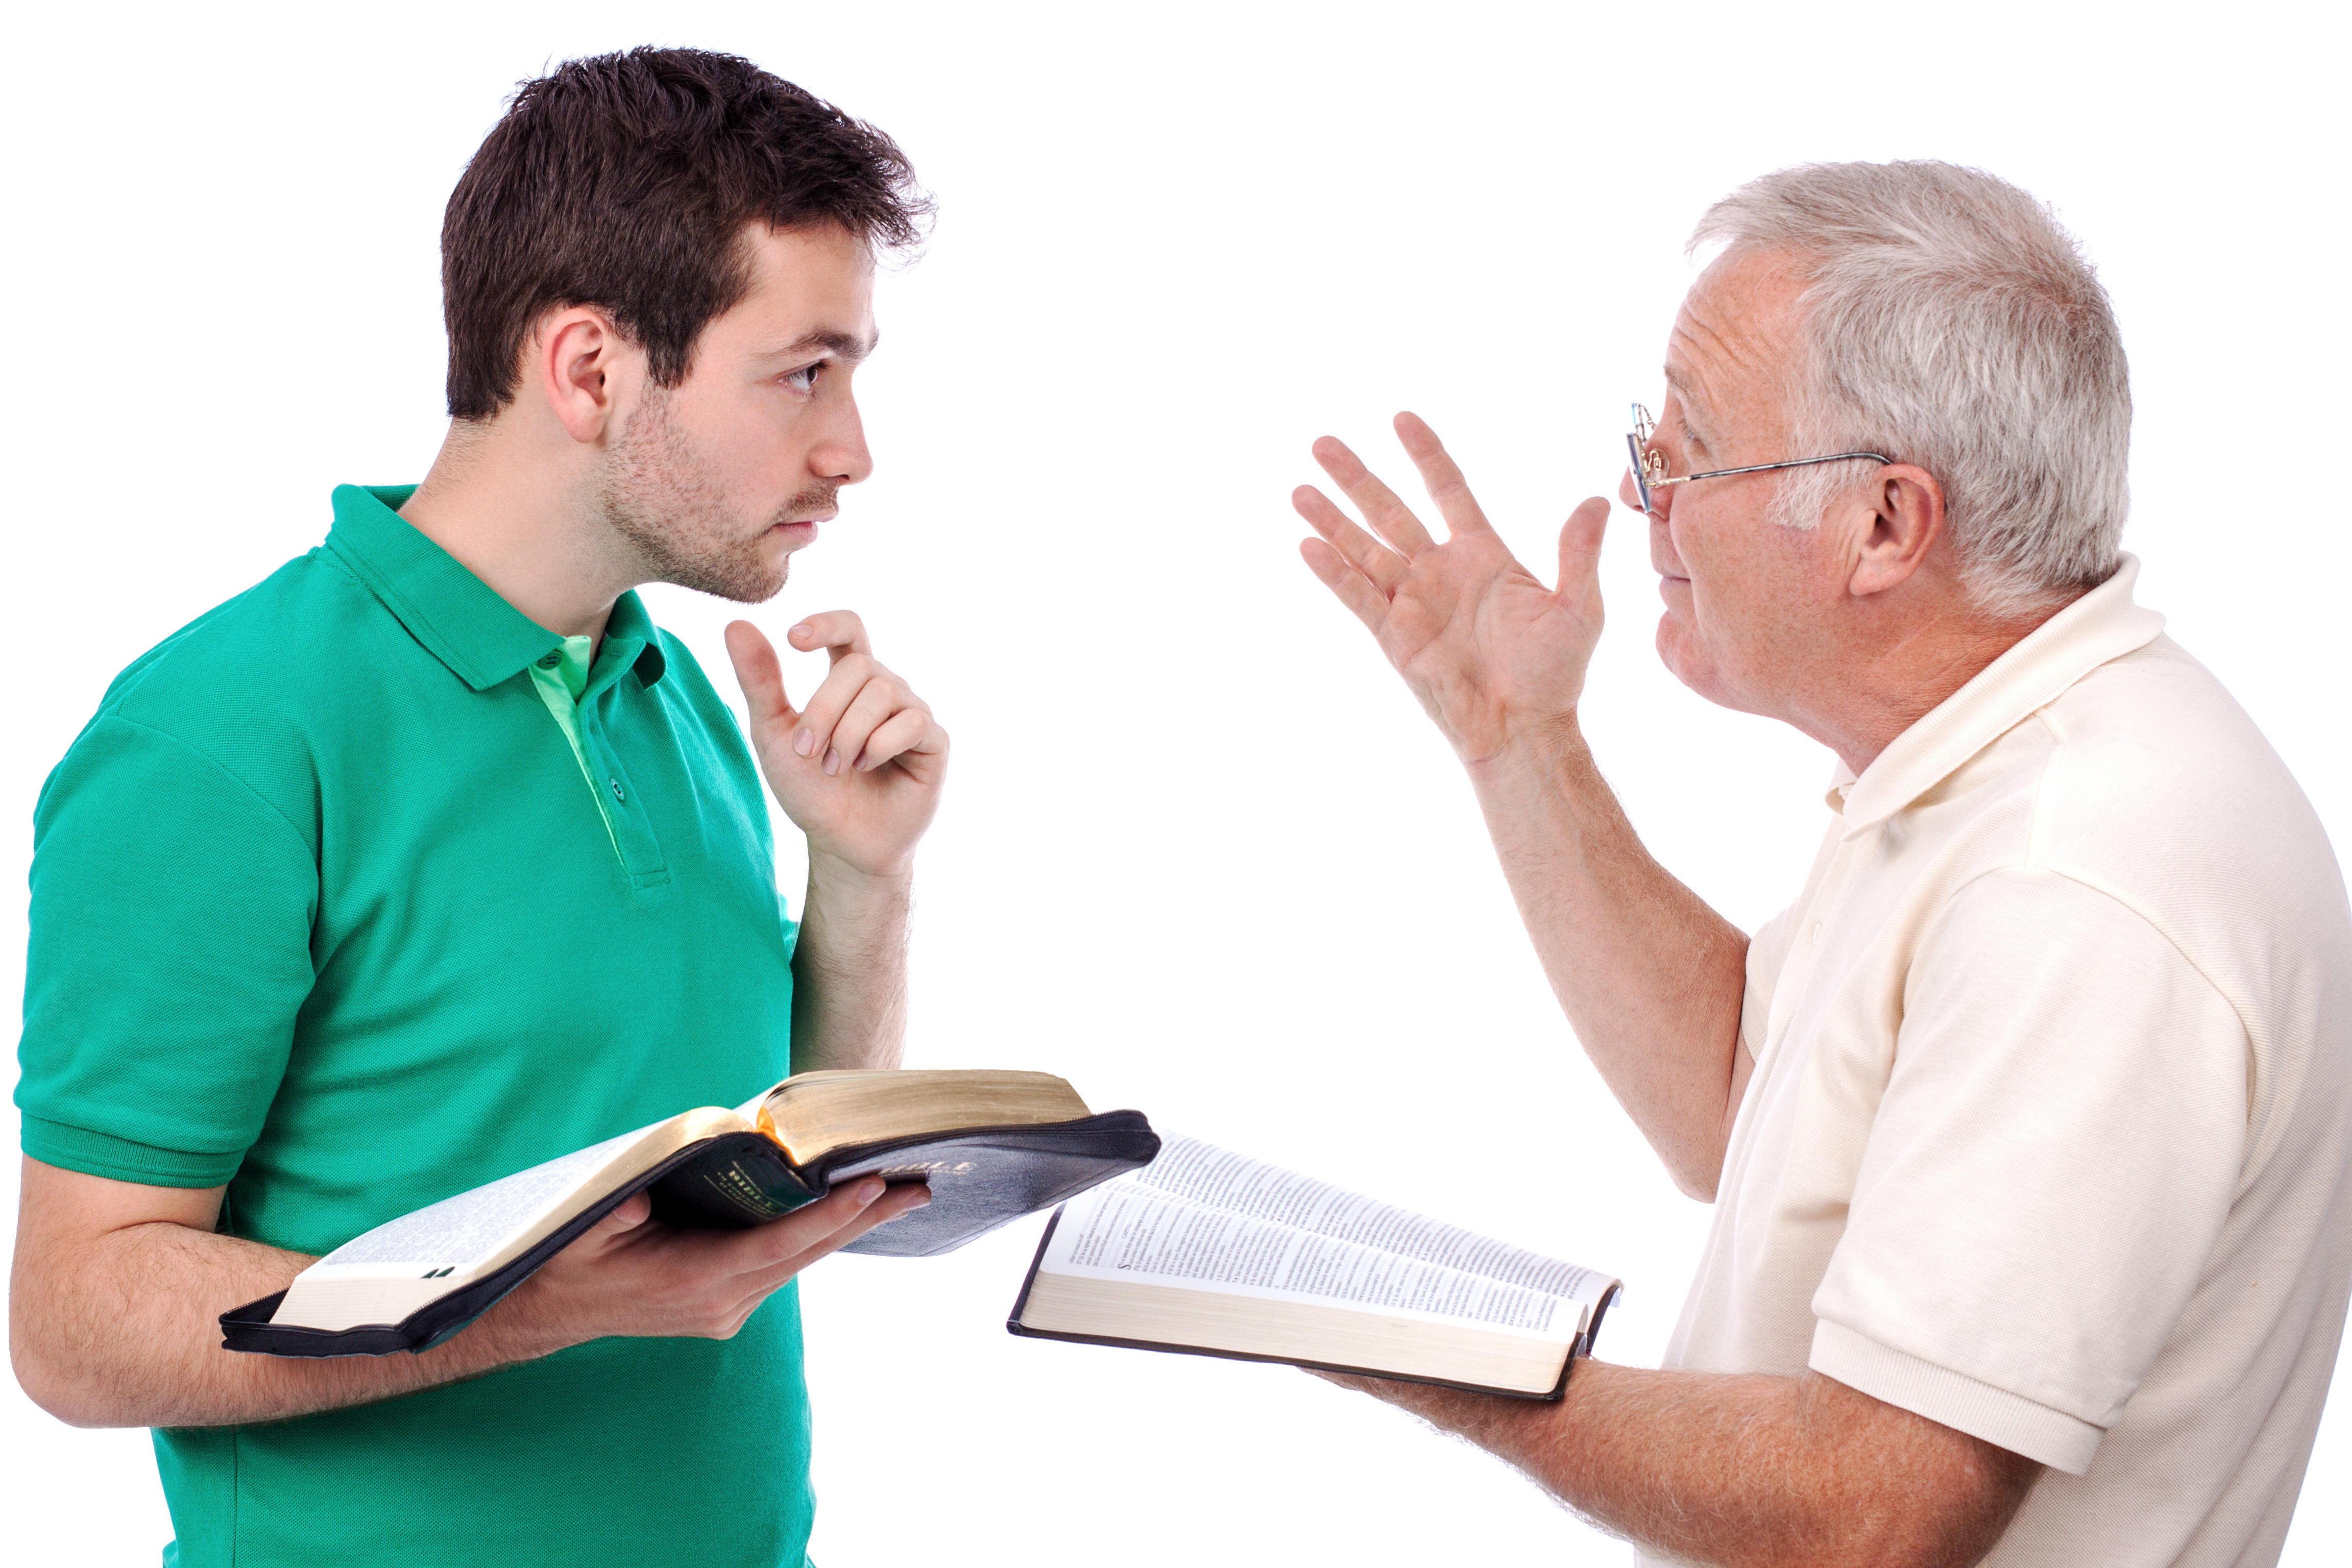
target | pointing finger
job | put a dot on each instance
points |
(839, 632)
(758, 673)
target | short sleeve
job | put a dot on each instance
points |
(2057, 1151)
(169, 956)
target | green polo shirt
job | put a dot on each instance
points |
(325, 908)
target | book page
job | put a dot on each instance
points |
(1205, 1175)
(472, 1227)
(1129, 1232)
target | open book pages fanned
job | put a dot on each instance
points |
(992, 1146)
(1208, 1252)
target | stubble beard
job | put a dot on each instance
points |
(655, 491)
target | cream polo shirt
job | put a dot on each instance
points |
(2049, 1134)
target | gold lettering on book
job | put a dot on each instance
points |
(747, 1191)
(925, 1168)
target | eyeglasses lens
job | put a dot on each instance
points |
(1638, 444)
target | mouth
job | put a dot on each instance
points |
(799, 531)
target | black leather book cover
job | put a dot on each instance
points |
(980, 1177)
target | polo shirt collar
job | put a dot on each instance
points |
(455, 614)
(630, 643)
(2102, 625)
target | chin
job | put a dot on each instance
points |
(1677, 654)
(1669, 644)
(737, 581)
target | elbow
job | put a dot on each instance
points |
(1697, 1179)
(60, 1383)
(76, 1401)
(1950, 1526)
(1911, 1552)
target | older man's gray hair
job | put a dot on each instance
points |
(1950, 322)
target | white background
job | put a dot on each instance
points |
(1201, 855)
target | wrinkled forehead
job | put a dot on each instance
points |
(1734, 341)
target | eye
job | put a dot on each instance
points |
(805, 378)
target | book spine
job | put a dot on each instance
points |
(1012, 1323)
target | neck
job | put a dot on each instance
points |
(525, 523)
(1882, 683)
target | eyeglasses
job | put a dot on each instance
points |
(1649, 466)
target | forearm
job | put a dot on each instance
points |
(126, 1332)
(1755, 1471)
(849, 969)
(1649, 976)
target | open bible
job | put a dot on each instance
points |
(992, 1145)
(1208, 1252)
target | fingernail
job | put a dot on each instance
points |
(832, 760)
(804, 742)
(800, 631)
(920, 1202)
(867, 1191)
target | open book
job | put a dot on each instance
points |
(1210, 1253)
(992, 1145)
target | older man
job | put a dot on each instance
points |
(2029, 1125)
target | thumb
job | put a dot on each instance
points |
(759, 672)
(1580, 549)
(633, 1211)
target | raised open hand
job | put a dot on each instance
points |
(1495, 656)
(859, 769)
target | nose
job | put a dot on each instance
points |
(1628, 493)
(841, 456)
(1661, 496)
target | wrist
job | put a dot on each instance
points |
(1545, 1440)
(1533, 752)
(837, 876)
(527, 1325)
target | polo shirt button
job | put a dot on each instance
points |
(618, 793)
(550, 661)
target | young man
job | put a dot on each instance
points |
(2029, 1127)
(430, 858)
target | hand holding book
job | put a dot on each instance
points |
(744, 1198)
(628, 1277)
(1208, 1252)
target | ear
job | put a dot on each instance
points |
(1905, 517)
(577, 359)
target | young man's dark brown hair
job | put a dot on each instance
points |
(626, 181)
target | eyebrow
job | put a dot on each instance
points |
(840, 345)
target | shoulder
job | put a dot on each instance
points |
(2150, 760)
(2159, 792)
(245, 688)
(275, 639)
